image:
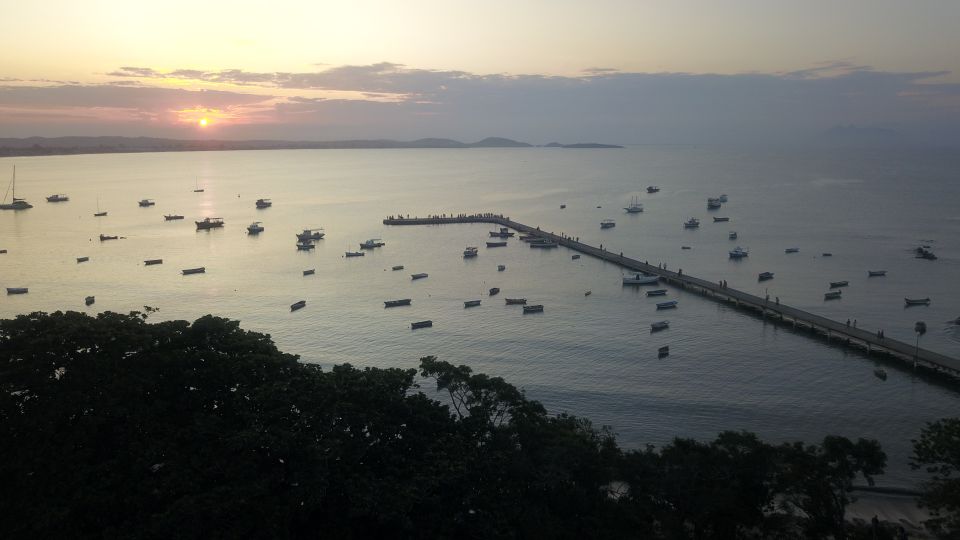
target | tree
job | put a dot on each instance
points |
(938, 452)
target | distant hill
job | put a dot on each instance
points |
(44, 146)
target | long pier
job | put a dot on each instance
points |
(832, 330)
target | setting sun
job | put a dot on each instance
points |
(203, 122)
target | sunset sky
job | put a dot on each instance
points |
(609, 70)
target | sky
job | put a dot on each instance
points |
(618, 71)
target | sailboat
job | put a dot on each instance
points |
(635, 206)
(100, 213)
(15, 204)
(198, 189)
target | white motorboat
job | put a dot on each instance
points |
(691, 223)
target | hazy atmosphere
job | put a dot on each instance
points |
(612, 71)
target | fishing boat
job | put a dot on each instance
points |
(15, 203)
(588, 293)
(692, 223)
(739, 253)
(634, 207)
(835, 284)
(917, 301)
(544, 245)
(826, 254)
(516, 301)
(255, 228)
(151, 262)
(575, 257)
(732, 235)
(310, 272)
(537, 308)
(421, 324)
(764, 276)
(722, 198)
(199, 270)
(501, 267)
(652, 189)
(720, 219)
(471, 303)
(876, 273)
(880, 373)
(104, 237)
(661, 325)
(608, 224)
(172, 217)
(494, 291)
(470, 252)
(395, 303)
(657, 292)
(305, 246)
(354, 254)
(417, 276)
(145, 203)
(89, 300)
(60, 197)
(832, 295)
(209, 223)
(667, 305)
(663, 351)
(504, 232)
(640, 279)
(372, 243)
(310, 234)
(685, 247)
(297, 305)
(792, 250)
(397, 267)
(562, 206)
(713, 203)
(82, 259)
(264, 203)
(496, 244)
(527, 237)
(17, 290)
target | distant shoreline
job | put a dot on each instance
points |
(58, 146)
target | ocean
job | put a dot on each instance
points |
(591, 356)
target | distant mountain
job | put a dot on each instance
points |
(499, 142)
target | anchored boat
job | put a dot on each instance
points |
(209, 223)
(421, 324)
(640, 279)
(395, 303)
(657, 326)
(667, 305)
(917, 301)
(537, 308)
(15, 203)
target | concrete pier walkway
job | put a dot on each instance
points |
(833, 330)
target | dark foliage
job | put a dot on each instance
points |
(938, 452)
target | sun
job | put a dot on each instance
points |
(203, 122)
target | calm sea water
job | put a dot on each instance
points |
(589, 355)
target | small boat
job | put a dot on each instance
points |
(151, 262)
(496, 244)
(501, 267)
(588, 293)
(354, 254)
(713, 203)
(397, 267)
(835, 284)
(663, 351)
(469, 252)
(658, 292)
(634, 207)
(765, 276)
(692, 223)
(876, 273)
(82, 259)
(732, 235)
(3, 251)
(471, 303)
(421, 324)
(792, 250)
(528, 237)
(372, 243)
(255, 228)
(395, 303)
(310, 272)
(417, 276)
(494, 291)
(305, 246)
(685, 247)
(188, 271)
(917, 301)
(662, 325)
(17, 290)
(652, 189)
(310, 234)
(923, 252)
(89, 300)
(880, 373)
(264, 203)
(58, 198)
(598, 206)
(640, 279)
(297, 305)
(15, 203)
(722, 198)
(100, 214)
(537, 308)
(104, 237)
(516, 301)
(197, 188)
(544, 245)
(739, 253)
(826, 254)
(575, 257)
(832, 295)
(608, 224)
(562, 206)
(209, 223)
(502, 233)
(667, 305)
(146, 202)
(172, 217)
(720, 219)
